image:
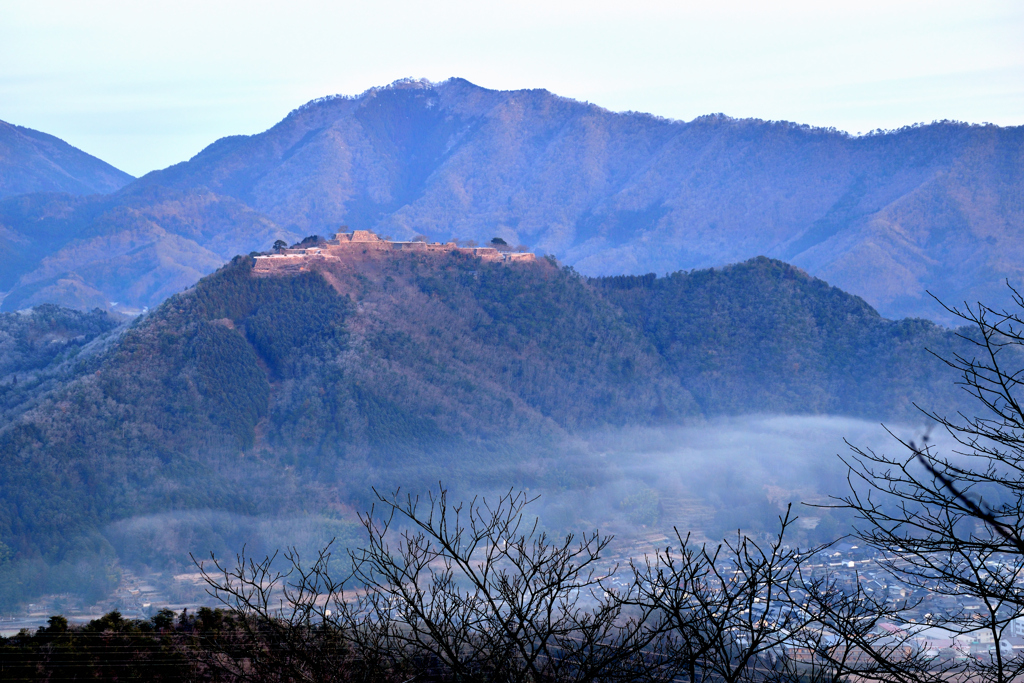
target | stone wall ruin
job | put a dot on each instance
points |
(346, 244)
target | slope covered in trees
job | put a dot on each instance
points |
(292, 394)
(763, 336)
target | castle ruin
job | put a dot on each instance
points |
(345, 245)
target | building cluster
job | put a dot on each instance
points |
(854, 568)
(347, 244)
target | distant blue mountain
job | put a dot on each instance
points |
(31, 161)
(887, 216)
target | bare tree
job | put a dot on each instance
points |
(451, 591)
(731, 611)
(476, 590)
(847, 635)
(951, 523)
(443, 591)
(283, 627)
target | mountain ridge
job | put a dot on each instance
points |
(125, 252)
(32, 161)
(888, 215)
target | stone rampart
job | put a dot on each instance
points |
(286, 263)
(346, 244)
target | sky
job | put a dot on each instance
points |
(145, 84)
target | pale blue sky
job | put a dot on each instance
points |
(147, 84)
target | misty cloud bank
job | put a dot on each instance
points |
(711, 477)
(720, 475)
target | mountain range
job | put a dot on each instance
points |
(889, 216)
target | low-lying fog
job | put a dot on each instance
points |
(710, 478)
(722, 475)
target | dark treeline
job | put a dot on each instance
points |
(110, 648)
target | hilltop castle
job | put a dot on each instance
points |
(347, 244)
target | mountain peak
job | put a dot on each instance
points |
(32, 161)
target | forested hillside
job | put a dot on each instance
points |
(291, 395)
(763, 336)
(41, 337)
(886, 216)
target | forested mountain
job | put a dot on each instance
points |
(885, 216)
(291, 394)
(31, 161)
